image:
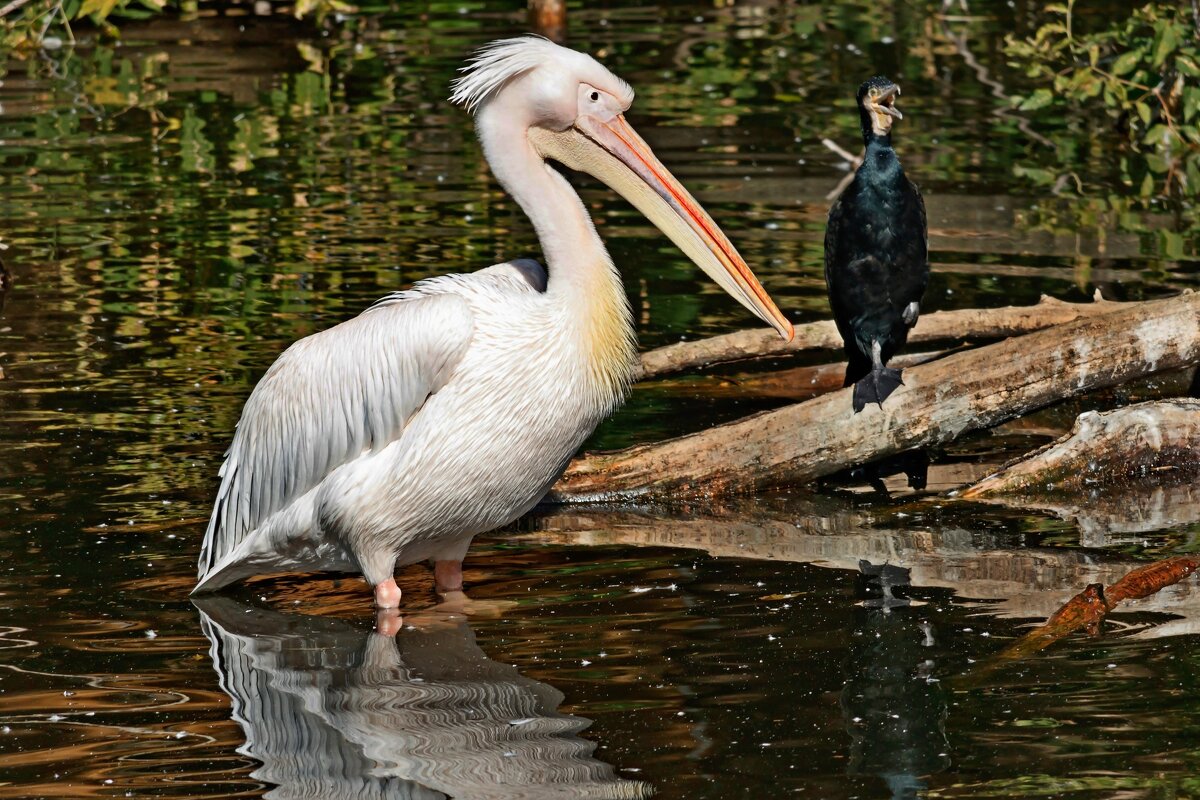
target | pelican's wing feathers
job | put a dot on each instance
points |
(329, 398)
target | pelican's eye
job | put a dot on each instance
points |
(596, 103)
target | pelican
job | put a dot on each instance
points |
(449, 409)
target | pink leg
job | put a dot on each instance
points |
(387, 594)
(447, 576)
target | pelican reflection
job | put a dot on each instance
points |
(335, 711)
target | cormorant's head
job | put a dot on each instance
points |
(877, 106)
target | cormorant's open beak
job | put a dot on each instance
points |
(613, 152)
(886, 102)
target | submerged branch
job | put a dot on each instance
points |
(1088, 608)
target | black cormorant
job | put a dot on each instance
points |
(876, 255)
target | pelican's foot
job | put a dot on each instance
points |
(387, 594)
(458, 603)
(388, 621)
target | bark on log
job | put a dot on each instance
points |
(1146, 439)
(973, 323)
(796, 383)
(939, 401)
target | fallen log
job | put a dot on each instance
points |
(1146, 439)
(972, 323)
(939, 401)
(795, 383)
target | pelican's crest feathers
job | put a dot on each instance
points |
(497, 63)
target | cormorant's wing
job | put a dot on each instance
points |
(835, 264)
(833, 228)
(912, 259)
(326, 400)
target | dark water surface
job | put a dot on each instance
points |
(180, 207)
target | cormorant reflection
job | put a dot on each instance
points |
(894, 709)
(333, 711)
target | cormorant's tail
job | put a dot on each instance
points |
(875, 387)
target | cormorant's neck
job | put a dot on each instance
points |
(873, 139)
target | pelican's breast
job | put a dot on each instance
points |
(532, 386)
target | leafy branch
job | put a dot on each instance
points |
(1139, 73)
(28, 23)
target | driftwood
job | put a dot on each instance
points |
(939, 401)
(972, 323)
(795, 383)
(1147, 439)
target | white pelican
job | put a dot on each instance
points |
(449, 409)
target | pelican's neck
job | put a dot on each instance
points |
(581, 276)
(564, 229)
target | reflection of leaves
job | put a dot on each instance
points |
(252, 140)
(195, 148)
(320, 8)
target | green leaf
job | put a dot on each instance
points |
(1168, 41)
(1126, 62)
(1191, 102)
(1143, 111)
(97, 9)
(1042, 177)
(1039, 99)
(1156, 135)
(1187, 65)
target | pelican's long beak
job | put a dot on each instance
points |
(613, 152)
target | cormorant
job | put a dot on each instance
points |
(876, 254)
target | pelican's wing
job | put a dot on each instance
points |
(326, 400)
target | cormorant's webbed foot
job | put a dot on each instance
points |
(875, 387)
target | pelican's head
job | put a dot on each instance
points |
(572, 110)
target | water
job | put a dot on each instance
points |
(181, 206)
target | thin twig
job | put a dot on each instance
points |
(66, 23)
(851, 159)
(836, 191)
(846, 154)
(13, 6)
